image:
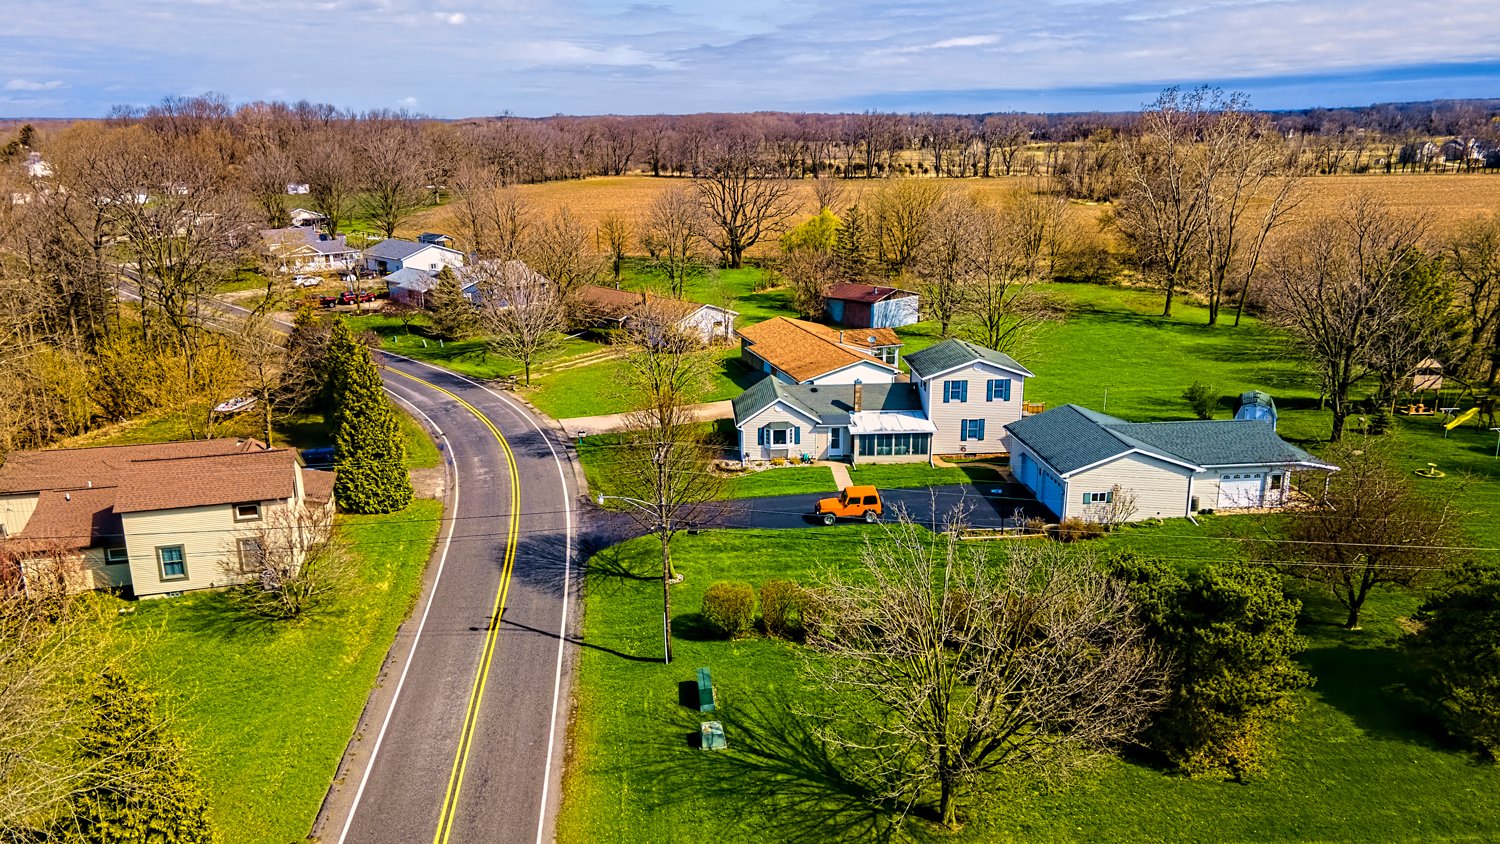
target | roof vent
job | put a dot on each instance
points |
(67, 496)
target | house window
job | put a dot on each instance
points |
(172, 561)
(998, 389)
(970, 429)
(778, 436)
(955, 391)
(116, 556)
(833, 439)
(246, 512)
(1276, 481)
(1099, 497)
(252, 553)
(892, 445)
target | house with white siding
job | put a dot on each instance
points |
(155, 519)
(958, 401)
(1083, 464)
(394, 254)
(796, 351)
(597, 306)
(970, 393)
(306, 248)
(854, 305)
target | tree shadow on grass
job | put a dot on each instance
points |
(1371, 685)
(777, 777)
(214, 614)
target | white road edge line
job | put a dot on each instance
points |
(437, 578)
(562, 630)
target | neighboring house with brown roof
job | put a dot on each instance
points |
(160, 518)
(796, 351)
(855, 305)
(597, 306)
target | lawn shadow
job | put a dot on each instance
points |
(743, 376)
(777, 777)
(1371, 686)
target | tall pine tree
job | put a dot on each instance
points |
(852, 250)
(453, 316)
(138, 789)
(369, 454)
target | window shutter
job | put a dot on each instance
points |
(980, 435)
(760, 435)
(1005, 389)
(947, 391)
(963, 391)
(797, 435)
(1085, 498)
(1109, 497)
(963, 430)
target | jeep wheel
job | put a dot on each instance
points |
(828, 518)
(871, 516)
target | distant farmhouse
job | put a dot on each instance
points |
(607, 307)
(305, 248)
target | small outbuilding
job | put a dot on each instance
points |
(1256, 406)
(855, 305)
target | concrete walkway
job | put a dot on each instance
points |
(612, 422)
(840, 470)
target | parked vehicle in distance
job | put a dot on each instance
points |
(348, 297)
(855, 502)
(306, 281)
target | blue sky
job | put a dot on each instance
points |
(456, 58)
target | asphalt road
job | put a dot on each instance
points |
(464, 737)
(466, 743)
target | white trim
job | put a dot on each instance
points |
(1173, 460)
(788, 405)
(1023, 371)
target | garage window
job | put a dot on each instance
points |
(1099, 497)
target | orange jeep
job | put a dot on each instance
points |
(856, 502)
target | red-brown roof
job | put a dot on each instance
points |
(317, 485)
(79, 518)
(609, 303)
(201, 481)
(855, 292)
(805, 350)
(74, 468)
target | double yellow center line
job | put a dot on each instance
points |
(476, 694)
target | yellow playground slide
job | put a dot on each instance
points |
(1461, 418)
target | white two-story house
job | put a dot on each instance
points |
(389, 256)
(959, 400)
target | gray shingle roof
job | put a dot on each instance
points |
(410, 278)
(394, 249)
(1069, 438)
(953, 353)
(829, 404)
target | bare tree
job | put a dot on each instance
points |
(740, 203)
(663, 467)
(289, 565)
(389, 158)
(1162, 209)
(1001, 307)
(952, 255)
(809, 273)
(949, 665)
(264, 177)
(520, 312)
(614, 240)
(328, 167)
(562, 251)
(901, 216)
(1372, 528)
(1336, 288)
(671, 236)
(1473, 257)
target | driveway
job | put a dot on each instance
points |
(989, 505)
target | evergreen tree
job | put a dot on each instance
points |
(851, 246)
(369, 453)
(1230, 633)
(453, 316)
(340, 357)
(1459, 649)
(138, 789)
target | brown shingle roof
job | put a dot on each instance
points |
(806, 350)
(201, 481)
(855, 292)
(73, 519)
(318, 485)
(76, 468)
(603, 303)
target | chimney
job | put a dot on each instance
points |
(841, 337)
(859, 397)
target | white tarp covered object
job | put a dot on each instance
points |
(890, 422)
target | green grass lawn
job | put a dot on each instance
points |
(267, 710)
(907, 475)
(1358, 764)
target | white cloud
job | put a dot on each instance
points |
(28, 85)
(965, 41)
(452, 18)
(544, 53)
(407, 102)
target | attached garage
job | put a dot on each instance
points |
(1241, 489)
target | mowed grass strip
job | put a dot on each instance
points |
(1359, 763)
(267, 709)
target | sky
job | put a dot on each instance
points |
(462, 58)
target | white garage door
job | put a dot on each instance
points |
(1240, 489)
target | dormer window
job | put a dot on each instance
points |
(246, 512)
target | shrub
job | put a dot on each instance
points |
(781, 606)
(1381, 420)
(1459, 648)
(729, 608)
(1074, 529)
(1203, 398)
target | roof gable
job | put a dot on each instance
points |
(829, 404)
(855, 292)
(806, 350)
(954, 353)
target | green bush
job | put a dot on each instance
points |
(781, 604)
(1381, 420)
(1203, 399)
(1459, 648)
(729, 608)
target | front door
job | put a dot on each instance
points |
(838, 442)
